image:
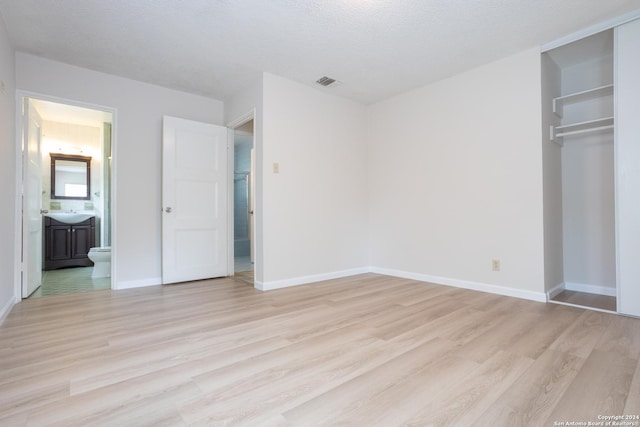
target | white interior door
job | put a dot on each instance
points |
(194, 197)
(32, 200)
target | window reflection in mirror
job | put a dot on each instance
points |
(70, 177)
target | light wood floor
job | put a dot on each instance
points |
(367, 350)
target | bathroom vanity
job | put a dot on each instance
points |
(67, 240)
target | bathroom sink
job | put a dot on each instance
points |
(70, 218)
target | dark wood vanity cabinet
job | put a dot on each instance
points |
(67, 245)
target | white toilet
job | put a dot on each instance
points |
(101, 258)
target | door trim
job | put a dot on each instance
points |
(20, 95)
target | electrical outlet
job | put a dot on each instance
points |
(276, 168)
(495, 265)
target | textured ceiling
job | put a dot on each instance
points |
(375, 48)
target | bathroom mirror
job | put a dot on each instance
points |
(70, 177)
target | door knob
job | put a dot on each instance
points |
(168, 209)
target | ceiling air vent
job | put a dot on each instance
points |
(325, 81)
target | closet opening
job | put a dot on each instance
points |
(579, 173)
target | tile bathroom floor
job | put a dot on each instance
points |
(243, 263)
(243, 268)
(78, 279)
(70, 280)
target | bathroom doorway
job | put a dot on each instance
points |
(243, 202)
(67, 203)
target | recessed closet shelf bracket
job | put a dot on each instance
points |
(584, 95)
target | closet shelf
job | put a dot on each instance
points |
(585, 95)
(556, 133)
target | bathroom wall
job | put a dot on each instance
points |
(68, 138)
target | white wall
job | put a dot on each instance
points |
(7, 171)
(455, 179)
(140, 107)
(436, 182)
(552, 179)
(314, 209)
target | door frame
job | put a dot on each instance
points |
(18, 239)
(233, 125)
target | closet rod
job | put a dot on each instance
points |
(583, 131)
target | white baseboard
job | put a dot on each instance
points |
(590, 289)
(138, 283)
(553, 292)
(6, 308)
(303, 280)
(465, 284)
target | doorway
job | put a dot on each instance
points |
(68, 196)
(243, 202)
